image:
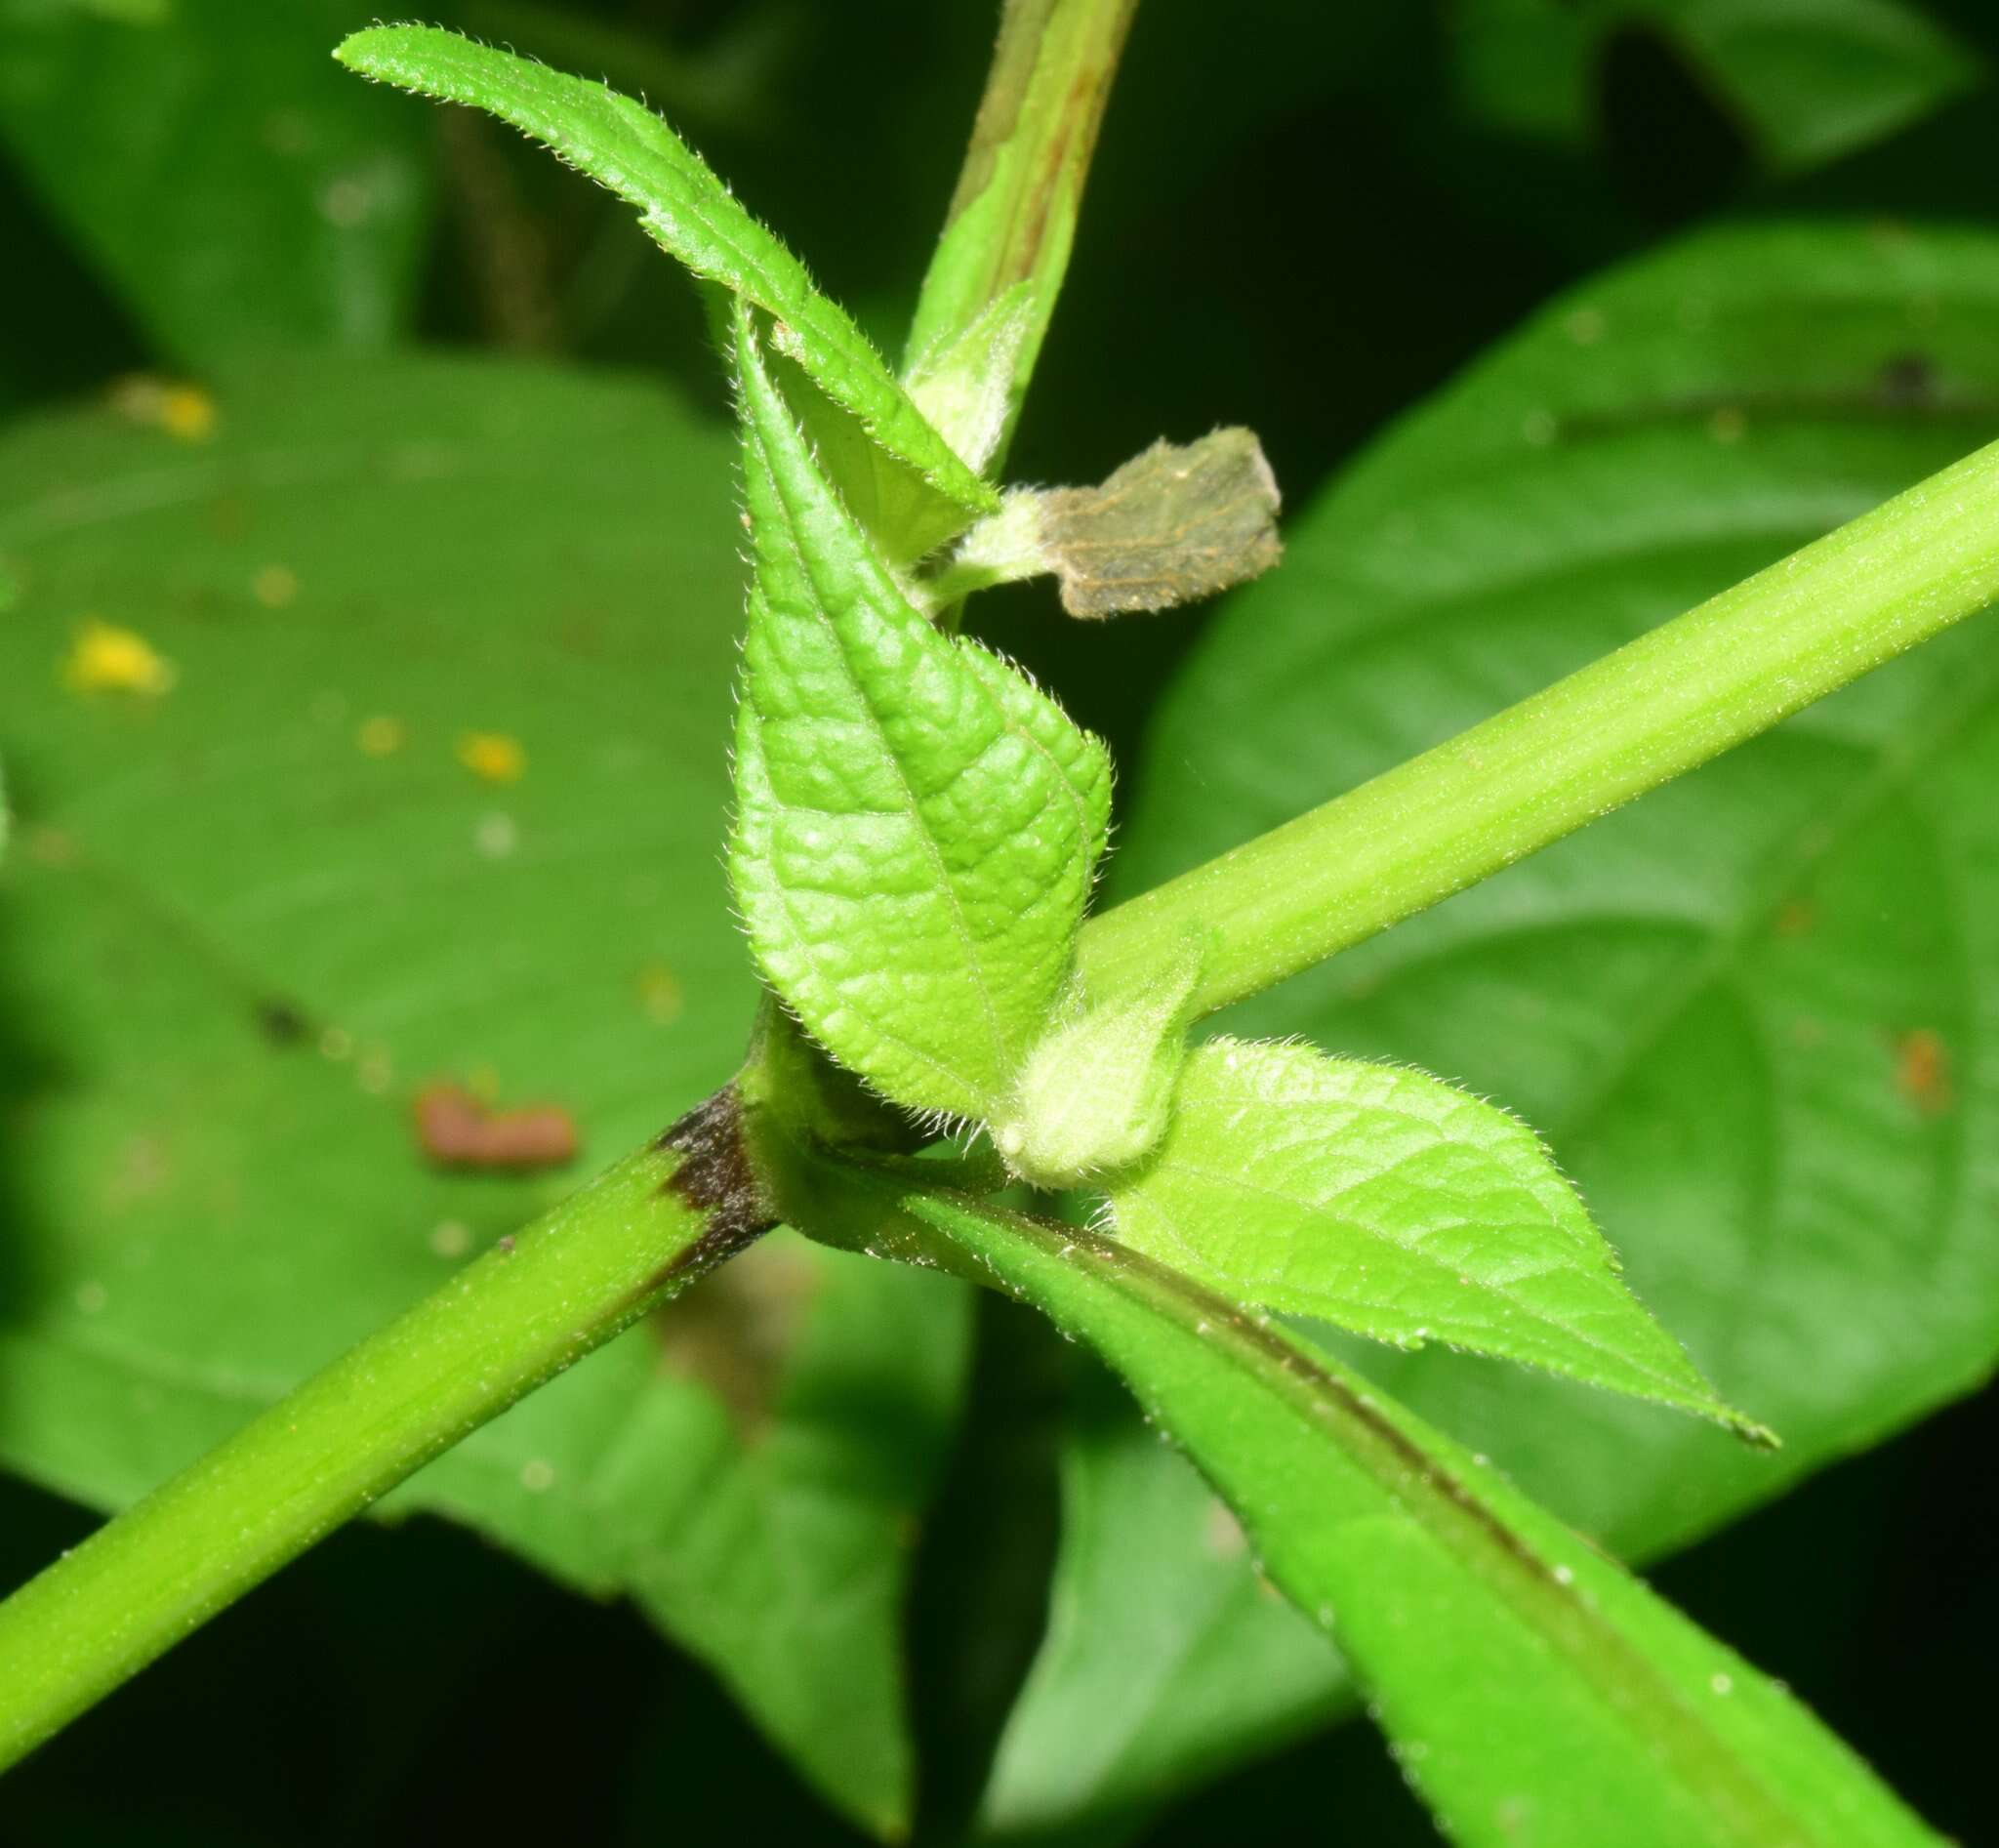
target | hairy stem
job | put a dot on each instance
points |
(1671, 700)
(1012, 219)
(515, 1318)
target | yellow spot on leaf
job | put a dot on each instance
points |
(451, 1238)
(184, 412)
(493, 756)
(187, 412)
(275, 586)
(660, 994)
(107, 659)
(379, 737)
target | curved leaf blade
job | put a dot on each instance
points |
(1387, 1201)
(1744, 1013)
(691, 214)
(917, 824)
(1533, 1688)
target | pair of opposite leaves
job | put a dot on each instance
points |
(917, 830)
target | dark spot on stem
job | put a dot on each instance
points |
(713, 1175)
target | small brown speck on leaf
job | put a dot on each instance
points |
(455, 1130)
(1906, 383)
(1922, 1070)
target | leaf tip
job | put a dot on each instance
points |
(362, 52)
(1756, 1435)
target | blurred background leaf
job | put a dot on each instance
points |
(375, 736)
(1807, 82)
(218, 170)
(1746, 1013)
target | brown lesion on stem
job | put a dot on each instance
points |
(714, 1176)
(1062, 155)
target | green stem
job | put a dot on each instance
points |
(515, 1318)
(1012, 221)
(1671, 700)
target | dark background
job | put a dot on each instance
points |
(1291, 227)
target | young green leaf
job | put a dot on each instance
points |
(1392, 1204)
(917, 824)
(1533, 1690)
(689, 212)
(967, 388)
(1096, 1092)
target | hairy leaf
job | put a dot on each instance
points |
(917, 824)
(1746, 1011)
(1097, 1092)
(688, 212)
(226, 181)
(1380, 1200)
(426, 779)
(1531, 1688)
